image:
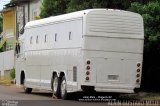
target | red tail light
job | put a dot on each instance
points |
(88, 67)
(87, 78)
(88, 62)
(87, 73)
(138, 64)
(137, 80)
(138, 75)
(138, 70)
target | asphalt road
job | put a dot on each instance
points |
(14, 96)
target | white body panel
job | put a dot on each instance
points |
(111, 39)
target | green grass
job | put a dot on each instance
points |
(142, 96)
(151, 96)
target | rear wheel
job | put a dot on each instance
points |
(63, 88)
(26, 89)
(55, 85)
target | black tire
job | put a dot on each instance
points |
(26, 89)
(56, 88)
(63, 88)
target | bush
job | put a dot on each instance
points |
(12, 73)
(151, 67)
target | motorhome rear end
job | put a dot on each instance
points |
(96, 49)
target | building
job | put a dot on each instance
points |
(9, 28)
(15, 15)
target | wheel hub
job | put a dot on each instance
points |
(63, 87)
(55, 84)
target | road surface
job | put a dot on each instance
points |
(14, 96)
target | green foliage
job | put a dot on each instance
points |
(56, 7)
(151, 68)
(12, 73)
(151, 16)
(52, 8)
(76, 5)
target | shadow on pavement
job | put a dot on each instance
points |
(91, 97)
(100, 96)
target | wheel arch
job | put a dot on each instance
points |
(59, 74)
(53, 74)
(22, 77)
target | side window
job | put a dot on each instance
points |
(37, 40)
(55, 38)
(70, 36)
(45, 38)
(17, 49)
(31, 40)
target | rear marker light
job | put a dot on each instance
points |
(88, 62)
(138, 64)
(138, 70)
(137, 80)
(87, 78)
(88, 67)
(87, 73)
(138, 75)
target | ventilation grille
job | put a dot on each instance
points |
(74, 73)
(115, 23)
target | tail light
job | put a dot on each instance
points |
(88, 62)
(87, 73)
(87, 78)
(88, 67)
(138, 64)
(138, 75)
(137, 80)
(138, 72)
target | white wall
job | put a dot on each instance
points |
(6, 61)
(34, 9)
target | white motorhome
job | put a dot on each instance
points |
(95, 49)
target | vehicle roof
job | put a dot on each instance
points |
(72, 15)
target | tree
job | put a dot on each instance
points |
(52, 8)
(56, 7)
(75, 5)
(150, 12)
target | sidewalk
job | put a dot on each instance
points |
(5, 81)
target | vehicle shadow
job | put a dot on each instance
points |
(100, 97)
(39, 93)
(91, 97)
(44, 94)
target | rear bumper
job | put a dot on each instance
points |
(116, 90)
(113, 89)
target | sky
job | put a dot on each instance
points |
(3, 2)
